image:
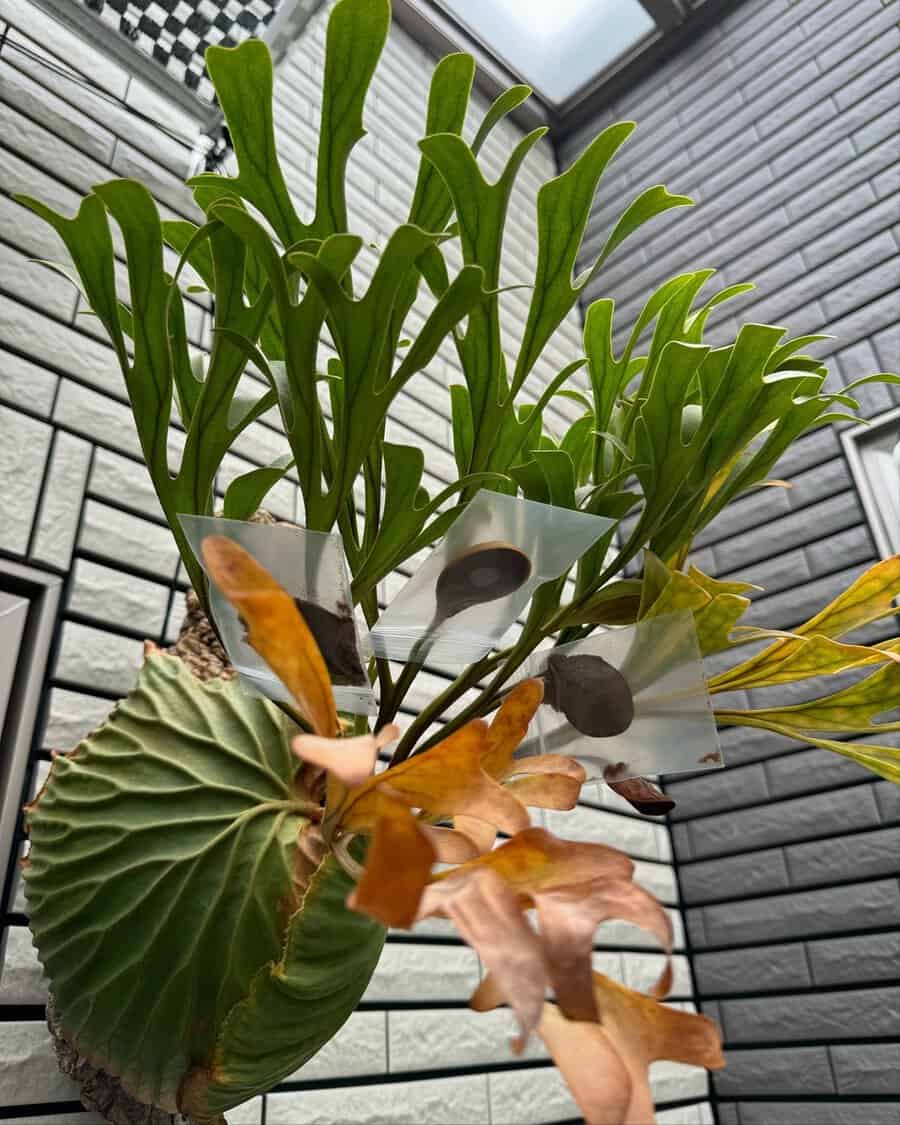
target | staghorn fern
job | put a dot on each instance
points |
(187, 880)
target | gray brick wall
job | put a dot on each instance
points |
(77, 500)
(783, 122)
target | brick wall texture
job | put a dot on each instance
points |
(77, 501)
(783, 122)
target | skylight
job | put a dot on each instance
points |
(554, 45)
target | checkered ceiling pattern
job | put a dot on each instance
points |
(177, 32)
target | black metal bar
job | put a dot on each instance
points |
(50, 1110)
(666, 14)
(27, 710)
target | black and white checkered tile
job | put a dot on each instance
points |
(177, 32)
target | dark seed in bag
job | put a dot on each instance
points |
(336, 637)
(628, 703)
(482, 574)
(467, 593)
(592, 694)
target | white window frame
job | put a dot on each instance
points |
(678, 23)
(876, 473)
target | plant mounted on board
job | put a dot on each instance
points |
(211, 875)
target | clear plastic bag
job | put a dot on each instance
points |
(627, 702)
(311, 566)
(459, 603)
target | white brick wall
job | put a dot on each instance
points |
(783, 122)
(77, 499)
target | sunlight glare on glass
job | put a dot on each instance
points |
(555, 45)
(546, 19)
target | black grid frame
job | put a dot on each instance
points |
(176, 33)
(163, 42)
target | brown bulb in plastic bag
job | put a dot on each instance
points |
(482, 574)
(460, 602)
(335, 634)
(592, 694)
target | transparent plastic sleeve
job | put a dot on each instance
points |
(459, 603)
(627, 702)
(311, 566)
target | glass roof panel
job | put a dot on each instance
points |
(554, 45)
